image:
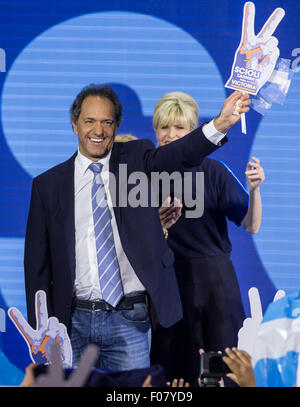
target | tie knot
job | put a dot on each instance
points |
(96, 167)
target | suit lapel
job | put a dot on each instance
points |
(67, 204)
(114, 162)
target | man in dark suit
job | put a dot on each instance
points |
(106, 267)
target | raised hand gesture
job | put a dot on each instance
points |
(256, 56)
(254, 173)
(48, 330)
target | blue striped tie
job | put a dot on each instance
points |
(108, 265)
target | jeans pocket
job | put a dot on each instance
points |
(139, 313)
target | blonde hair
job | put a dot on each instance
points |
(176, 105)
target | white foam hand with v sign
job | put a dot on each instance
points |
(256, 55)
(48, 330)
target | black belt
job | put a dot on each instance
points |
(125, 303)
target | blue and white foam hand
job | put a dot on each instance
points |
(248, 333)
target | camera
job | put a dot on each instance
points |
(212, 368)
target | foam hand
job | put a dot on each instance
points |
(55, 374)
(247, 334)
(256, 56)
(48, 330)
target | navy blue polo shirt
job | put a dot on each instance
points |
(224, 198)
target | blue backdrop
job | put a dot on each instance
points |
(144, 49)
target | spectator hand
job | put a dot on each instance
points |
(147, 382)
(239, 362)
(178, 383)
(29, 379)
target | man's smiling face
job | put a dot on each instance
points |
(96, 127)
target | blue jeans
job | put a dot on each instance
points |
(123, 337)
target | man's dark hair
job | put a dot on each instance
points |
(103, 91)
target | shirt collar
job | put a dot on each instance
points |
(84, 162)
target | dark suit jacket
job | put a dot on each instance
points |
(50, 234)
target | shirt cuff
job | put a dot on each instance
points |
(212, 134)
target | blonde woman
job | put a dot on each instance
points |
(212, 307)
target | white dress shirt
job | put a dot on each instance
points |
(87, 285)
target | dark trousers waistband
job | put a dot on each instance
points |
(126, 303)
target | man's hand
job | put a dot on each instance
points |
(233, 106)
(48, 330)
(256, 55)
(254, 174)
(169, 213)
(239, 362)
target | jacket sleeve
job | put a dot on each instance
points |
(181, 154)
(37, 265)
